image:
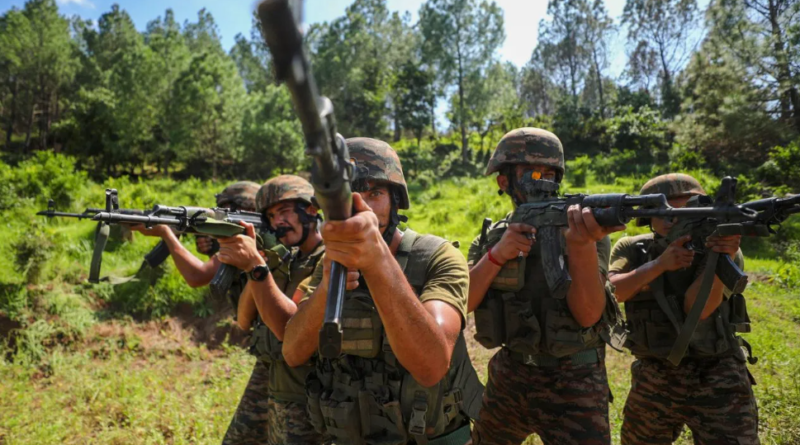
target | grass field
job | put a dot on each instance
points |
(140, 364)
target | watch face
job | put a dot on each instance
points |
(259, 273)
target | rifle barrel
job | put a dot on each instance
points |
(693, 212)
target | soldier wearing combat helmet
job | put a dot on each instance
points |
(549, 377)
(273, 408)
(237, 196)
(404, 375)
(659, 283)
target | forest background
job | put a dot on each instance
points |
(167, 116)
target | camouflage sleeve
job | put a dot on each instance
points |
(474, 254)
(309, 285)
(448, 279)
(621, 260)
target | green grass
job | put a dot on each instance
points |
(123, 364)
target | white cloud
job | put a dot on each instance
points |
(82, 3)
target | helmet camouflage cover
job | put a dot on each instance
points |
(377, 160)
(242, 194)
(672, 185)
(528, 146)
(283, 188)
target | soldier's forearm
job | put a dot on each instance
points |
(586, 297)
(274, 307)
(246, 311)
(714, 299)
(301, 336)
(195, 271)
(631, 283)
(480, 279)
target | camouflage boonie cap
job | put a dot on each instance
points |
(672, 185)
(242, 193)
(378, 161)
(527, 146)
(283, 188)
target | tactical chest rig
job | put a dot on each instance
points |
(655, 316)
(520, 313)
(285, 383)
(367, 397)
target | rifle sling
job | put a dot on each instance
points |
(667, 306)
(692, 320)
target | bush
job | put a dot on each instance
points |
(31, 252)
(578, 170)
(782, 170)
(46, 175)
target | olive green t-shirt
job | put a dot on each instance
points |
(447, 279)
(627, 256)
(603, 252)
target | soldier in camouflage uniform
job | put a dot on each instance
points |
(404, 375)
(195, 271)
(549, 377)
(710, 391)
(273, 408)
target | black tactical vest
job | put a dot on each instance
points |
(520, 313)
(285, 383)
(655, 316)
(366, 396)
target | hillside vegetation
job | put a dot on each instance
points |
(161, 363)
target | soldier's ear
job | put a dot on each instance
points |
(502, 182)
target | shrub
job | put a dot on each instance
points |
(46, 175)
(31, 252)
(578, 170)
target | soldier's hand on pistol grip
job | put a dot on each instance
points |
(241, 251)
(516, 242)
(676, 256)
(351, 282)
(356, 242)
(583, 227)
(203, 244)
(724, 244)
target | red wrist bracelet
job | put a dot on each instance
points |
(492, 259)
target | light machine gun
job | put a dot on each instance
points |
(332, 171)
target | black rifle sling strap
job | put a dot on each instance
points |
(692, 320)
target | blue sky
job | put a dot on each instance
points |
(233, 16)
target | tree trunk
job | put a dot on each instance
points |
(13, 118)
(30, 127)
(784, 74)
(433, 117)
(599, 85)
(397, 127)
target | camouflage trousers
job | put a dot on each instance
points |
(713, 397)
(260, 419)
(567, 404)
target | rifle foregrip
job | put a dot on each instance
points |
(223, 280)
(555, 270)
(731, 276)
(330, 336)
(158, 255)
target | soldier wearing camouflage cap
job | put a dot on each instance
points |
(273, 407)
(710, 391)
(404, 365)
(549, 376)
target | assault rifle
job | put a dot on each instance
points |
(546, 211)
(213, 222)
(768, 213)
(154, 258)
(332, 171)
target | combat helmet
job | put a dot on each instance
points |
(239, 195)
(672, 185)
(283, 188)
(376, 160)
(528, 145)
(288, 188)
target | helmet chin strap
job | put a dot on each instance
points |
(305, 221)
(394, 218)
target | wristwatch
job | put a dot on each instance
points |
(259, 273)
